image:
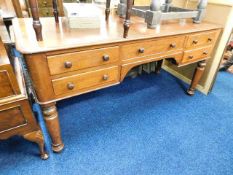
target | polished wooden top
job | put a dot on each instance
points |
(57, 37)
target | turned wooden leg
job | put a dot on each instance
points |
(158, 66)
(127, 18)
(196, 77)
(201, 8)
(36, 20)
(167, 5)
(107, 10)
(55, 11)
(53, 126)
(37, 137)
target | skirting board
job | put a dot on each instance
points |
(183, 78)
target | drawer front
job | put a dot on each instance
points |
(6, 88)
(46, 12)
(197, 54)
(86, 81)
(11, 118)
(81, 60)
(201, 39)
(147, 48)
(45, 3)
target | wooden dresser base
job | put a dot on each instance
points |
(18, 119)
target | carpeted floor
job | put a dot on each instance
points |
(145, 126)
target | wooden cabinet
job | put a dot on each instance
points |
(16, 116)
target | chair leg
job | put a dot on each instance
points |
(55, 11)
(36, 20)
(107, 10)
(127, 19)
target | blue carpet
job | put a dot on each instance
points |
(146, 125)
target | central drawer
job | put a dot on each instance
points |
(86, 81)
(80, 60)
(146, 48)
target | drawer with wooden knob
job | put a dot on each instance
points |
(146, 48)
(80, 60)
(86, 81)
(46, 12)
(197, 54)
(201, 39)
(45, 3)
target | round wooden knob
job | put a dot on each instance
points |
(141, 50)
(209, 39)
(205, 53)
(106, 58)
(105, 77)
(190, 57)
(45, 4)
(173, 45)
(68, 64)
(195, 41)
(70, 86)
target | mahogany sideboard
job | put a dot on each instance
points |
(16, 116)
(70, 62)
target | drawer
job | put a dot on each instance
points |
(86, 81)
(45, 3)
(197, 54)
(80, 60)
(46, 12)
(201, 39)
(11, 118)
(151, 47)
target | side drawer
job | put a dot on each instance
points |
(146, 48)
(197, 54)
(86, 81)
(80, 60)
(201, 39)
(11, 118)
